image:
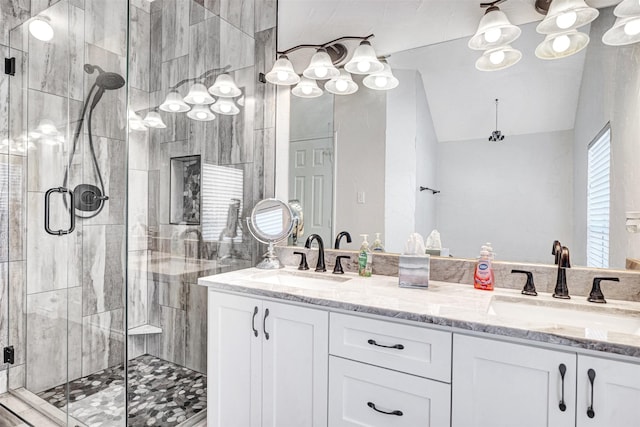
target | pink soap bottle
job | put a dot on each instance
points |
(483, 277)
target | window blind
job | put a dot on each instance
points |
(598, 200)
(221, 186)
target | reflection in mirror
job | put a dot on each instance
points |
(522, 193)
(271, 221)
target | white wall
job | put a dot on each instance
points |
(516, 194)
(610, 91)
(410, 162)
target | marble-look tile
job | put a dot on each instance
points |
(239, 13)
(103, 268)
(236, 47)
(102, 341)
(264, 164)
(139, 43)
(4, 307)
(12, 13)
(137, 346)
(46, 271)
(155, 47)
(177, 128)
(4, 211)
(265, 97)
(49, 61)
(109, 116)
(204, 53)
(5, 83)
(266, 15)
(144, 5)
(47, 326)
(106, 24)
(158, 136)
(172, 343)
(207, 133)
(153, 304)
(196, 328)
(137, 295)
(17, 310)
(75, 341)
(4, 386)
(199, 13)
(38, 6)
(138, 210)
(175, 29)
(17, 103)
(139, 141)
(111, 155)
(17, 206)
(17, 377)
(77, 3)
(172, 294)
(76, 53)
(154, 201)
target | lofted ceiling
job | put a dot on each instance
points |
(403, 28)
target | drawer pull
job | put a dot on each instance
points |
(563, 371)
(592, 376)
(253, 321)
(397, 346)
(373, 406)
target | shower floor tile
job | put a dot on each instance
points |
(161, 394)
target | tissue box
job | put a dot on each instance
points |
(413, 271)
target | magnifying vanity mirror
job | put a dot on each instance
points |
(271, 222)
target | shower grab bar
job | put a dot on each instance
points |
(47, 211)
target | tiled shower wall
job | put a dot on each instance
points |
(67, 292)
(186, 39)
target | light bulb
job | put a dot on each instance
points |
(174, 107)
(321, 72)
(341, 85)
(561, 43)
(225, 108)
(492, 35)
(364, 66)
(282, 76)
(632, 28)
(307, 90)
(225, 89)
(41, 30)
(201, 115)
(381, 81)
(198, 99)
(497, 57)
(566, 20)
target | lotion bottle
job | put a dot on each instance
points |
(365, 258)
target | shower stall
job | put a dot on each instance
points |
(121, 182)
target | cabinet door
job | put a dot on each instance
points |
(500, 384)
(294, 366)
(616, 393)
(234, 361)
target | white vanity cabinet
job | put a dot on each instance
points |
(267, 363)
(616, 393)
(501, 384)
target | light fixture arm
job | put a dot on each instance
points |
(327, 44)
(496, 113)
(492, 3)
(201, 77)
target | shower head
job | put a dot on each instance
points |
(90, 68)
(105, 81)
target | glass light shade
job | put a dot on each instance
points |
(561, 45)
(226, 107)
(41, 29)
(364, 60)
(307, 88)
(624, 31)
(321, 67)
(136, 122)
(201, 113)
(384, 80)
(282, 73)
(561, 18)
(627, 8)
(153, 120)
(173, 103)
(341, 85)
(498, 59)
(198, 94)
(225, 87)
(494, 30)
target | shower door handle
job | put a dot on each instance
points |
(47, 211)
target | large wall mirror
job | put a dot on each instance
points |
(357, 162)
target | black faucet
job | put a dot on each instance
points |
(529, 287)
(320, 265)
(562, 259)
(596, 293)
(340, 235)
(303, 261)
(337, 269)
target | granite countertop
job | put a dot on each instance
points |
(612, 328)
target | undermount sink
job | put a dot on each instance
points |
(595, 319)
(298, 279)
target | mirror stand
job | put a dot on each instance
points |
(271, 222)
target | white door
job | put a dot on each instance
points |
(295, 366)
(501, 384)
(234, 361)
(311, 182)
(616, 393)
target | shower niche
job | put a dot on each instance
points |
(186, 190)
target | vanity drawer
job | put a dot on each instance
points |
(410, 349)
(360, 393)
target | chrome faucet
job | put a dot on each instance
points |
(320, 265)
(562, 260)
(339, 237)
(198, 234)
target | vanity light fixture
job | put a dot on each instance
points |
(498, 58)
(494, 29)
(199, 95)
(136, 122)
(384, 80)
(566, 15)
(561, 45)
(41, 29)
(626, 29)
(364, 60)
(173, 103)
(201, 113)
(342, 85)
(282, 73)
(154, 120)
(307, 88)
(321, 66)
(225, 87)
(226, 107)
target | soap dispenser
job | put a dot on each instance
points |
(483, 277)
(365, 258)
(377, 244)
